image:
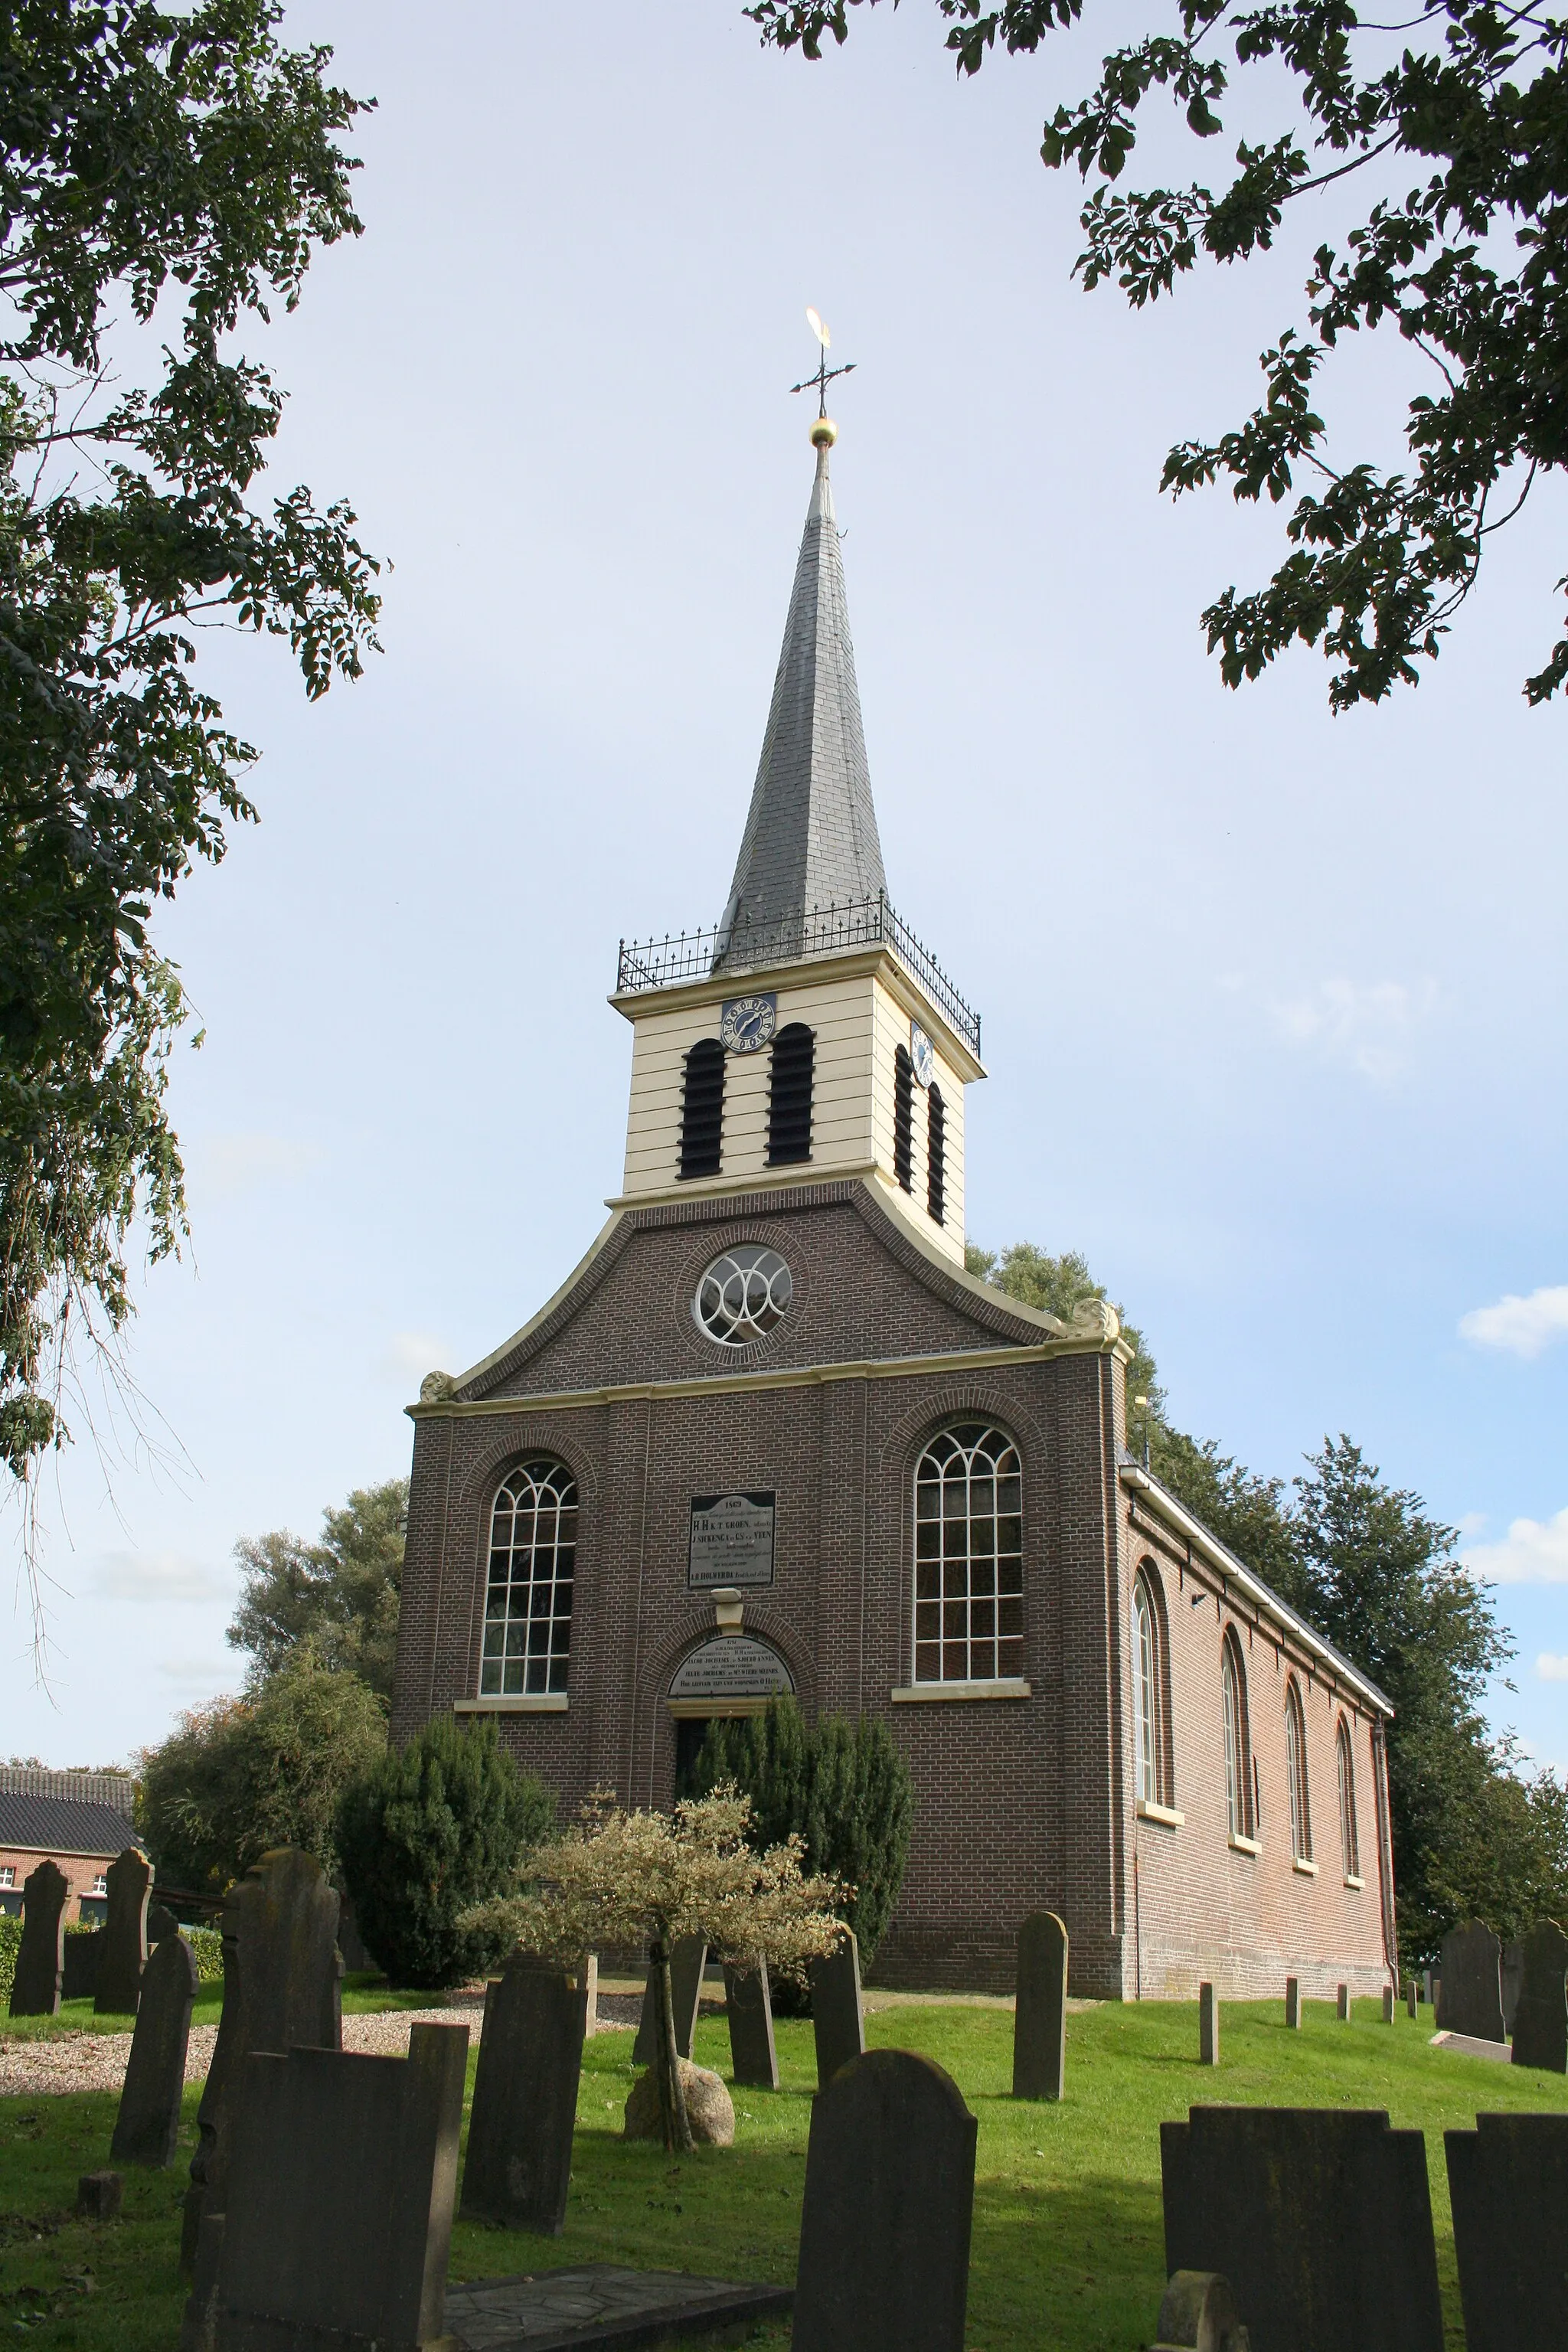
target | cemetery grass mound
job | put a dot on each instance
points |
(1068, 2243)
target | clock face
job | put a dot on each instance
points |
(748, 1023)
(923, 1054)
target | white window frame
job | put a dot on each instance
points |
(979, 1658)
(509, 1669)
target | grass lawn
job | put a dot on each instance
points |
(1068, 2247)
(362, 1996)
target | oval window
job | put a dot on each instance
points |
(742, 1294)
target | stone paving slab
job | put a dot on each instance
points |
(1471, 2045)
(601, 2308)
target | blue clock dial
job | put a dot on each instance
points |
(747, 1022)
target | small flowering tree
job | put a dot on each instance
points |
(621, 1878)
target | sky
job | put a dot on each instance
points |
(1274, 1002)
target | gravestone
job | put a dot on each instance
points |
(1508, 2184)
(161, 1924)
(147, 2129)
(1541, 2017)
(1513, 1970)
(1342, 2003)
(124, 1953)
(1208, 2026)
(1320, 2217)
(588, 1986)
(890, 2194)
(1412, 1997)
(1197, 2313)
(748, 1998)
(357, 1956)
(688, 1959)
(1388, 2004)
(838, 2022)
(80, 1956)
(525, 2098)
(281, 1990)
(1293, 2003)
(1041, 2009)
(40, 1958)
(1469, 1986)
(100, 2196)
(340, 2220)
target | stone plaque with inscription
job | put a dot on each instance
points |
(732, 1541)
(732, 1666)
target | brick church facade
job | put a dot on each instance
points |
(770, 1435)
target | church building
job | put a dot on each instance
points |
(769, 1436)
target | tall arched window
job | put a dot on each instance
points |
(702, 1109)
(1237, 1746)
(904, 1119)
(1349, 1846)
(1147, 1691)
(969, 1558)
(1296, 1775)
(789, 1095)
(528, 1606)
(936, 1152)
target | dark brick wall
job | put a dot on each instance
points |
(1022, 1804)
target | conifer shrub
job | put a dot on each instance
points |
(426, 1833)
(843, 1787)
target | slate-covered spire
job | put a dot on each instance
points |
(811, 832)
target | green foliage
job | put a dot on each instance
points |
(1055, 1286)
(1249, 1514)
(844, 1788)
(428, 1834)
(340, 1595)
(10, 1944)
(162, 173)
(206, 1943)
(1470, 103)
(241, 1776)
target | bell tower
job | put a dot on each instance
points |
(809, 1033)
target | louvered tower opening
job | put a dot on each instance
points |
(789, 1098)
(702, 1109)
(904, 1119)
(936, 1153)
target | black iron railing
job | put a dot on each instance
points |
(826, 930)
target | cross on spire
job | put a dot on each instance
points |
(824, 374)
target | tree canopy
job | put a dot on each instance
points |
(165, 175)
(1456, 112)
(339, 1596)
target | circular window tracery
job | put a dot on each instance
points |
(742, 1294)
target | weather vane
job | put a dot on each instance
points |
(824, 374)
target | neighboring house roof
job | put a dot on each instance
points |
(54, 1825)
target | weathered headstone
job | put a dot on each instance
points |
(340, 2222)
(1508, 2184)
(1388, 2004)
(890, 2195)
(525, 2099)
(1320, 2217)
(147, 2129)
(838, 2021)
(588, 1986)
(80, 1956)
(40, 1958)
(100, 2196)
(1469, 1986)
(161, 1924)
(1541, 2017)
(124, 1953)
(1342, 2003)
(357, 1956)
(281, 1990)
(1513, 1970)
(1041, 2009)
(1293, 2003)
(1208, 2026)
(1197, 2313)
(1412, 1997)
(748, 1998)
(688, 1959)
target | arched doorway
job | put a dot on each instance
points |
(730, 1675)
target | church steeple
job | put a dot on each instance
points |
(811, 832)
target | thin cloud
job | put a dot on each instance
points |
(1367, 1029)
(1524, 1326)
(228, 1165)
(1533, 1551)
(158, 1577)
(1551, 1668)
(409, 1355)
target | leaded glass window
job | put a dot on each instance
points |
(1296, 1776)
(1236, 1761)
(1146, 1690)
(969, 1558)
(528, 1606)
(1349, 1844)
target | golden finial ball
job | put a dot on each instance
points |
(823, 433)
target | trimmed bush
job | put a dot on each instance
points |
(10, 1944)
(843, 1787)
(425, 1834)
(207, 1945)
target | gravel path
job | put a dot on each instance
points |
(96, 2061)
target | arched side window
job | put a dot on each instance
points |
(1237, 1746)
(528, 1605)
(1350, 1847)
(702, 1109)
(1296, 1775)
(789, 1095)
(936, 1152)
(969, 1558)
(904, 1119)
(1147, 1693)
